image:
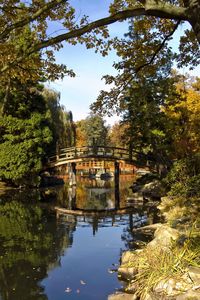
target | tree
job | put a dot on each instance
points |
(183, 115)
(146, 123)
(92, 131)
(81, 138)
(24, 135)
(60, 122)
(22, 148)
(118, 136)
(17, 15)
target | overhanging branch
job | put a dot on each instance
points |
(29, 19)
(151, 8)
(168, 12)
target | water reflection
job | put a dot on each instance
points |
(41, 254)
(28, 248)
(95, 194)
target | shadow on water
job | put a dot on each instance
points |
(44, 255)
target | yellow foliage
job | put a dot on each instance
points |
(183, 114)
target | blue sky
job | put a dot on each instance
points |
(78, 93)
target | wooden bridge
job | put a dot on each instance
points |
(80, 154)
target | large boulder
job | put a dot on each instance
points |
(164, 236)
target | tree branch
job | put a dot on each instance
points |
(151, 8)
(159, 48)
(162, 11)
(29, 19)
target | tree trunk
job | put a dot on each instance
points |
(6, 99)
(194, 17)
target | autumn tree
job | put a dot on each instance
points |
(118, 136)
(183, 115)
(92, 131)
(81, 138)
(18, 47)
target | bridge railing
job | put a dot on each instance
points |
(89, 151)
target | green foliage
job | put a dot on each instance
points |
(92, 131)
(96, 131)
(182, 204)
(60, 122)
(32, 124)
(22, 148)
(184, 177)
(21, 100)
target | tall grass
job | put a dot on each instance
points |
(158, 265)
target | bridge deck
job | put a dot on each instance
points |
(78, 154)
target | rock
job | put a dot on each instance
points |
(151, 228)
(126, 272)
(185, 288)
(122, 296)
(148, 188)
(194, 274)
(153, 189)
(164, 235)
(128, 267)
(129, 256)
(171, 287)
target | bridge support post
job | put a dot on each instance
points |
(117, 196)
(72, 197)
(72, 174)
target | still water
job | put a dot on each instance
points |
(48, 255)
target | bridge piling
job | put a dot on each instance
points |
(72, 174)
(116, 173)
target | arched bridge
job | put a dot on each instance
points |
(78, 154)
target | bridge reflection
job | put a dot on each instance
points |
(97, 203)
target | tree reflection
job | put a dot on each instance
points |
(31, 243)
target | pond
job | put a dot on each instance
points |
(46, 254)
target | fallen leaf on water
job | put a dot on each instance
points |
(82, 282)
(68, 290)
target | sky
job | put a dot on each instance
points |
(78, 93)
